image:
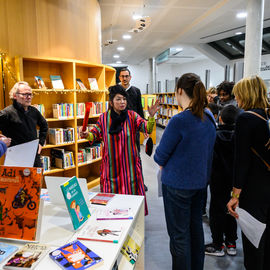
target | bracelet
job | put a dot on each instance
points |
(233, 195)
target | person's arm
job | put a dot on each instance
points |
(3, 120)
(43, 129)
(3, 148)
(95, 133)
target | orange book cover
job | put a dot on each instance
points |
(19, 202)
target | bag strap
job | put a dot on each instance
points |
(257, 154)
(258, 115)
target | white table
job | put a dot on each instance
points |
(57, 229)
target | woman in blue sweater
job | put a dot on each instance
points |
(185, 156)
(4, 143)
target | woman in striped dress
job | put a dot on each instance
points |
(121, 170)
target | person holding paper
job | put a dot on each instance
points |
(19, 120)
(4, 144)
(251, 189)
(120, 170)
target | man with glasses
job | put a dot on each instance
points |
(19, 120)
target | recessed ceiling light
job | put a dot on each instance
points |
(120, 48)
(136, 16)
(126, 36)
(179, 49)
(118, 62)
(241, 15)
(238, 33)
(116, 56)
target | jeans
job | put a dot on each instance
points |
(183, 213)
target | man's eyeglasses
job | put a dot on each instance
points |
(26, 95)
(124, 76)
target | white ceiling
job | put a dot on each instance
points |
(175, 23)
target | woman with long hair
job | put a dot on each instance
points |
(251, 189)
(185, 156)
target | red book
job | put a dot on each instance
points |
(102, 198)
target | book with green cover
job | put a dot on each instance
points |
(75, 202)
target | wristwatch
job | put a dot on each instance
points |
(233, 195)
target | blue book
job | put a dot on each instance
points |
(75, 202)
(75, 256)
(6, 250)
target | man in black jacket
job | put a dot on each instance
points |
(19, 120)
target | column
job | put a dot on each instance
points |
(152, 68)
(253, 41)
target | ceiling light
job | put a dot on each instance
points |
(136, 16)
(241, 15)
(238, 33)
(116, 56)
(179, 49)
(120, 48)
(126, 36)
(118, 62)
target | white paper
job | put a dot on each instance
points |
(22, 155)
(159, 183)
(250, 226)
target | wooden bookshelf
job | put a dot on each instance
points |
(169, 108)
(69, 70)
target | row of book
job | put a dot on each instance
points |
(61, 135)
(61, 158)
(162, 121)
(90, 153)
(88, 128)
(57, 83)
(167, 99)
(168, 111)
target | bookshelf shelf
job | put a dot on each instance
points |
(69, 70)
(89, 162)
(82, 141)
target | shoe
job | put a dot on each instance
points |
(214, 250)
(145, 188)
(231, 249)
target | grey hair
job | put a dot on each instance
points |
(15, 88)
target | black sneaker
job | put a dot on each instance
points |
(214, 250)
(231, 249)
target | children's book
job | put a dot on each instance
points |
(114, 213)
(39, 82)
(75, 202)
(57, 82)
(104, 232)
(20, 205)
(93, 83)
(102, 198)
(75, 256)
(6, 250)
(27, 257)
(80, 84)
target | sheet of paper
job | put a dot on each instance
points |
(22, 155)
(250, 226)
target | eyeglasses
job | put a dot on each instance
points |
(124, 76)
(26, 95)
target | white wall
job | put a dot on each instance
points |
(140, 75)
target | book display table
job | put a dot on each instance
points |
(57, 230)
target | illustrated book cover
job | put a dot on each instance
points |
(104, 232)
(75, 256)
(40, 83)
(93, 83)
(114, 213)
(57, 82)
(80, 84)
(6, 250)
(20, 204)
(27, 257)
(102, 198)
(75, 202)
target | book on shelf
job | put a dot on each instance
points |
(75, 202)
(57, 82)
(40, 108)
(63, 110)
(102, 198)
(28, 257)
(131, 247)
(40, 83)
(88, 128)
(102, 232)
(6, 250)
(75, 256)
(20, 202)
(80, 109)
(93, 83)
(114, 213)
(90, 153)
(80, 84)
(61, 135)
(62, 159)
(46, 163)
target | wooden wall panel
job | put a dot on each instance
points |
(51, 28)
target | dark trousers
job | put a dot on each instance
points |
(223, 226)
(183, 213)
(257, 258)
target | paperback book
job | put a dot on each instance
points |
(80, 84)
(75, 202)
(40, 83)
(27, 257)
(75, 256)
(102, 233)
(102, 198)
(93, 83)
(57, 82)
(20, 203)
(114, 214)
(6, 250)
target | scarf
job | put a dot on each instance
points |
(117, 120)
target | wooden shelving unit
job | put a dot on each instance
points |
(69, 70)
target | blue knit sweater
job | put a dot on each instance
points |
(185, 151)
(3, 148)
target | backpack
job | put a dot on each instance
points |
(267, 145)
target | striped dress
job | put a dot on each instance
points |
(120, 170)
